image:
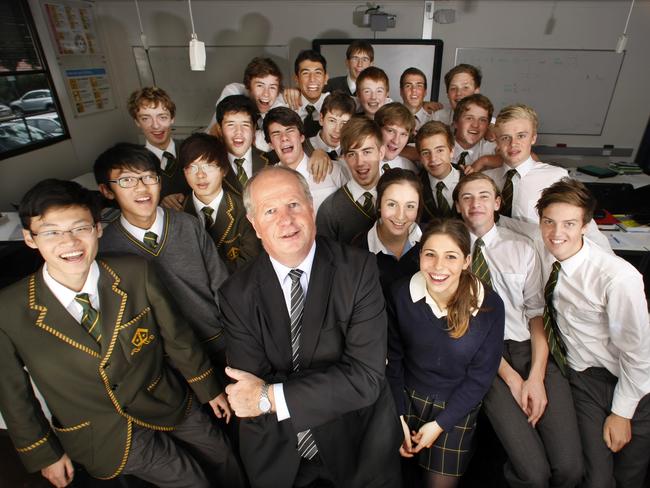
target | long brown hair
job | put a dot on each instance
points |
(465, 300)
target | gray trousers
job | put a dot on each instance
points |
(542, 456)
(593, 391)
(194, 455)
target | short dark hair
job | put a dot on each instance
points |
(412, 71)
(399, 175)
(52, 193)
(571, 192)
(260, 68)
(360, 46)
(309, 55)
(473, 71)
(283, 116)
(476, 99)
(203, 146)
(395, 113)
(375, 74)
(337, 100)
(433, 128)
(124, 155)
(235, 104)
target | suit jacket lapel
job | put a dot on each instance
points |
(259, 160)
(232, 182)
(224, 220)
(112, 301)
(430, 205)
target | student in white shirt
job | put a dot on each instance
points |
(413, 88)
(335, 112)
(529, 403)
(460, 81)
(602, 331)
(471, 122)
(372, 90)
(285, 133)
(396, 124)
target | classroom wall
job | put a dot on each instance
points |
(581, 24)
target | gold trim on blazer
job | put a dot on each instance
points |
(39, 442)
(346, 190)
(201, 377)
(73, 428)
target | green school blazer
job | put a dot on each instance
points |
(97, 392)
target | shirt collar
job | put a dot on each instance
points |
(352, 84)
(458, 149)
(171, 148)
(318, 143)
(523, 168)
(214, 204)
(64, 294)
(305, 266)
(375, 245)
(356, 190)
(247, 156)
(418, 291)
(422, 115)
(488, 238)
(450, 181)
(302, 165)
(138, 233)
(569, 265)
(317, 104)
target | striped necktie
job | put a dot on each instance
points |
(90, 316)
(443, 205)
(171, 162)
(507, 193)
(306, 443)
(207, 214)
(461, 159)
(479, 264)
(151, 240)
(385, 167)
(241, 173)
(367, 205)
(555, 343)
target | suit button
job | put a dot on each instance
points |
(125, 409)
(114, 387)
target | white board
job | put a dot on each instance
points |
(571, 90)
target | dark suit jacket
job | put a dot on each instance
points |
(96, 392)
(339, 83)
(172, 178)
(231, 231)
(259, 160)
(340, 392)
(431, 210)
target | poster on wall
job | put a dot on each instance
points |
(80, 56)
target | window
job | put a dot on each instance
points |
(30, 117)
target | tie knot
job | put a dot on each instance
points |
(169, 156)
(367, 197)
(479, 243)
(295, 275)
(207, 211)
(556, 267)
(83, 299)
(511, 173)
(151, 239)
(239, 161)
(333, 155)
(440, 185)
(310, 109)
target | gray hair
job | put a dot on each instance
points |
(248, 203)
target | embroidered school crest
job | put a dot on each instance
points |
(141, 338)
(233, 253)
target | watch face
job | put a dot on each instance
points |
(265, 404)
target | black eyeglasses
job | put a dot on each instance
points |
(132, 181)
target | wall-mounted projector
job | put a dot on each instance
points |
(372, 16)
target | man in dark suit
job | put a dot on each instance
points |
(307, 350)
(358, 56)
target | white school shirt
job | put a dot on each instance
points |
(375, 245)
(418, 291)
(171, 148)
(602, 315)
(66, 296)
(481, 148)
(214, 205)
(357, 192)
(317, 142)
(444, 115)
(516, 274)
(248, 163)
(157, 227)
(450, 181)
(421, 118)
(302, 111)
(282, 272)
(320, 191)
(398, 162)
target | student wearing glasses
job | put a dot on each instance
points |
(180, 249)
(204, 160)
(358, 56)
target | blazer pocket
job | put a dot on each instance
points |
(77, 441)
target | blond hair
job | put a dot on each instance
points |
(517, 111)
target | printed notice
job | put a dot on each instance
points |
(90, 90)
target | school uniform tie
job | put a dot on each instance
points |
(385, 167)
(90, 316)
(310, 126)
(443, 206)
(367, 205)
(241, 173)
(151, 240)
(171, 163)
(207, 214)
(507, 193)
(461, 159)
(333, 155)
(479, 264)
(306, 443)
(553, 336)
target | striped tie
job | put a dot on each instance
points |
(367, 205)
(479, 264)
(151, 240)
(443, 205)
(461, 160)
(171, 163)
(241, 174)
(553, 336)
(507, 193)
(306, 443)
(385, 167)
(207, 214)
(90, 317)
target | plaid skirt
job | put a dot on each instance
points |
(451, 452)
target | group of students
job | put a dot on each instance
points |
(500, 292)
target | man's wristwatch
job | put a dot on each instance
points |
(265, 404)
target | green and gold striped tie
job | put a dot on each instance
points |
(367, 204)
(479, 264)
(151, 240)
(443, 205)
(507, 193)
(555, 343)
(207, 214)
(90, 317)
(241, 173)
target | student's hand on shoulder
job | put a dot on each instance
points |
(533, 399)
(490, 135)
(292, 98)
(173, 201)
(431, 107)
(60, 473)
(617, 432)
(221, 407)
(320, 165)
(406, 449)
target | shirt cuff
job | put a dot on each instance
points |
(281, 408)
(624, 406)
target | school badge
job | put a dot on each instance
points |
(141, 338)
(233, 253)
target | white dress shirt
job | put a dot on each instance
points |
(317, 142)
(320, 191)
(302, 111)
(248, 162)
(357, 191)
(375, 245)
(66, 296)
(418, 291)
(444, 115)
(516, 274)
(157, 227)
(214, 205)
(450, 181)
(282, 272)
(352, 84)
(421, 118)
(171, 148)
(602, 315)
(481, 148)
(398, 162)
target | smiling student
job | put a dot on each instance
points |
(472, 118)
(460, 81)
(596, 318)
(358, 56)
(372, 91)
(116, 362)
(413, 88)
(396, 124)
(335, 112)
(310, 74)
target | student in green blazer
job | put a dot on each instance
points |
(205, 162)
(98, 337)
